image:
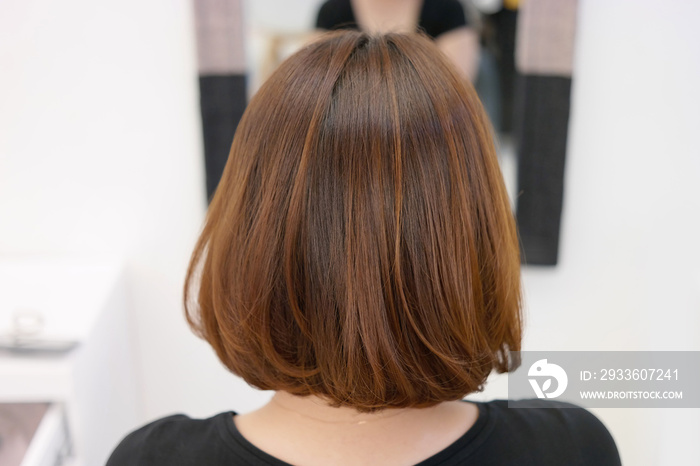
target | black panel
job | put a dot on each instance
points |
(222, 100)
(542, 109)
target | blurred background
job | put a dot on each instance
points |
(112, 119)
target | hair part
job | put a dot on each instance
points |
(360, 246)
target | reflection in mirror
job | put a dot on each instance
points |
(523, 79)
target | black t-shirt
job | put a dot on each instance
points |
(436, 16)
(558, 435)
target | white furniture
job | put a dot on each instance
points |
(91, 390)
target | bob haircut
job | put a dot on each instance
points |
(361, 246)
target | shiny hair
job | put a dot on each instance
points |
(360, 246)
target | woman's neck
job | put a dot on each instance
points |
(307, 430)
(382, 16)
(316, 409)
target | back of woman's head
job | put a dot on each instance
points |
(360, 246)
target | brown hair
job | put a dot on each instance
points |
(360, 246)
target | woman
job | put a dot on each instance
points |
(442, 20)
(360, 259)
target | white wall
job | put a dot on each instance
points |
(629, 277)
(100, 151)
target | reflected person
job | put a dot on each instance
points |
(442, 20)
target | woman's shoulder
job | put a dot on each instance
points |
(551, 432)
(441, 16)
(166, 439)
(523, 432)
(334, 14)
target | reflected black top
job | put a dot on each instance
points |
(436, 16)
(552, 434)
